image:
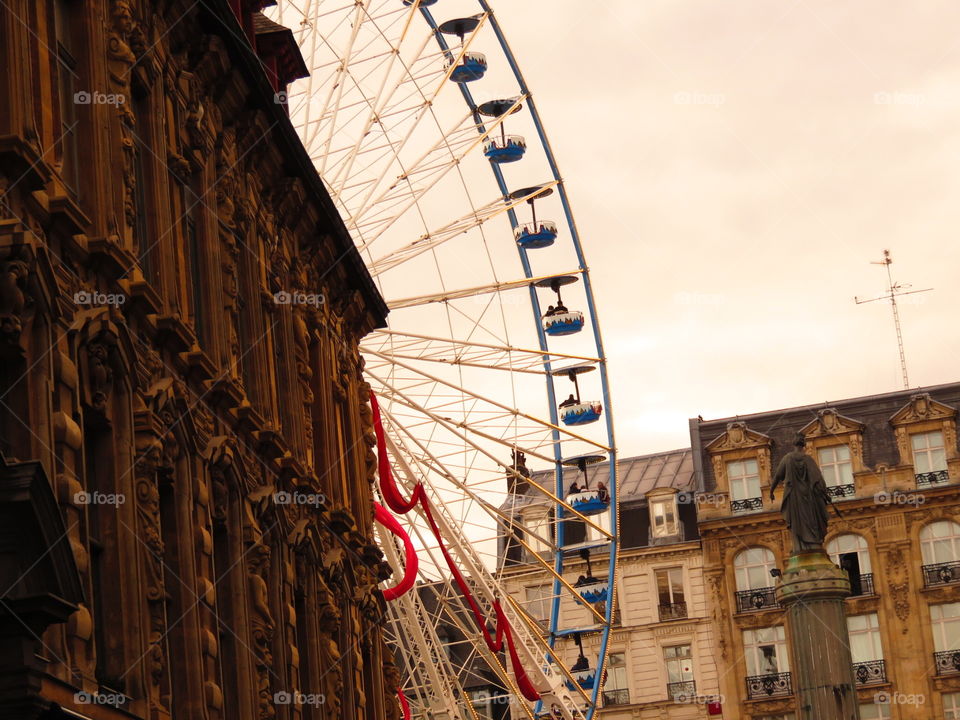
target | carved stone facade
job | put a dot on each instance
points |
(180, 313)
(895, 501)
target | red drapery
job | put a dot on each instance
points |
(395, 501)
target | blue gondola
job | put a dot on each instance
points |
(566, 323)
(587, 502)
(585, 679)
(581, 413)
(506, 149)
(535, 235)
(594, 592)
(472, 67)
(423, 3)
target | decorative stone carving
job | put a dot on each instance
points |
(13, 302)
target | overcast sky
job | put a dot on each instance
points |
(734, 168)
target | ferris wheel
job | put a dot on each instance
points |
(490, 379)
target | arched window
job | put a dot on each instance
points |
(753, 567)
(940, 542)
(850, 543)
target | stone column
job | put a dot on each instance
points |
(812, 590)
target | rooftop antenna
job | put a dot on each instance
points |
(894, 290)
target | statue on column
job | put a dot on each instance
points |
(805, 500)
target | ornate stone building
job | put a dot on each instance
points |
(185, 440)
(892, 466)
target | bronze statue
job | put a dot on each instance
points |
(805, 500)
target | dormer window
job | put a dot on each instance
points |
(744, 479)
(928, 452)
(663, 516)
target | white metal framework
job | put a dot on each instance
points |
(411, 107)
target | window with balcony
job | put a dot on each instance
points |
(663, 517)
(929, 458)
(754, 583)
(851, 553)
(538, 602)
(940, 549)
(945, 623)
(951, 706)
(616, 691)
(670, 597)
(678, 660)
(837, 470)
(768, 665)
(866, 650)
(743, 477)
(876, 711)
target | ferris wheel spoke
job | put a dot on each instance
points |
(517, 413)
(543, 490)
(454, 229)
(416, 347)
(421, 176)
(446, 296)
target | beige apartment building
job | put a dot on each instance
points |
(660, 661)
(892, 467)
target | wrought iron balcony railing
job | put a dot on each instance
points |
(838, 492)
(616, 697)
(682, 691)
(935, 477)
(870, 673)
(866, 584)
(756, 599)
(746, 505)
(770, 685)
(947, 662)
(941, 574)
(673, 611)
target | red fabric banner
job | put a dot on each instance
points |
(395, 501)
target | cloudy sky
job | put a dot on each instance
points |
(735, 168)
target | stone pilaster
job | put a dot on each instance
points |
(812, 590)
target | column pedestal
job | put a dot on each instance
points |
(812, 590)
